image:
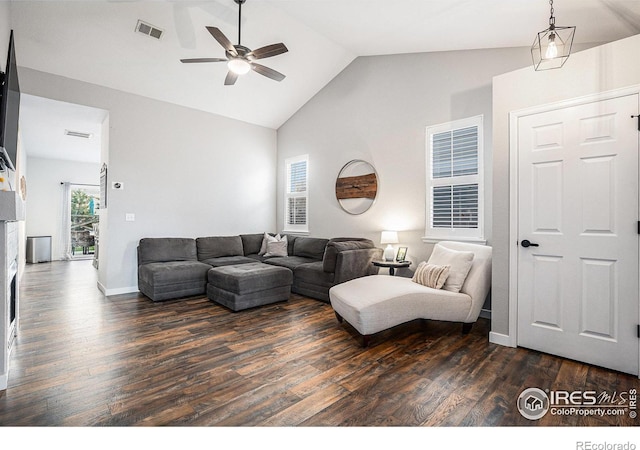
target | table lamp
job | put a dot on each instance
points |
(389, 237)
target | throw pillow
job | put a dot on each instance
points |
(431, 276)
(265, 240)
(459, 263)
(278, 248)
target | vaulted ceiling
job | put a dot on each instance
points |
(96, 42)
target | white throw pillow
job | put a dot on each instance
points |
(265, 240)
(278, 248)
(459, 263)
(430, 275)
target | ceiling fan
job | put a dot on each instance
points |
(240, 59)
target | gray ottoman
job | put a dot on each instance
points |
(248, 285)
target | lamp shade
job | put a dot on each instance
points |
(389, 237)
(552, 47)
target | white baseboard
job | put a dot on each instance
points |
(485, 313)
(117, 291)
(4, 381)
(500, 339)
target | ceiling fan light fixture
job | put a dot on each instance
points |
(552, 47)
(240, 58)
(239, 66)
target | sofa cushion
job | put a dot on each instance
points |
(313, 273)
(349, 239)
(152, 250)
(247, 278)
(309, 247)
(290, 243)
(290, 262)
(459, 262)
(217, 246)
(173, 272)
(228, 261)
(251, 243)
(238, 302)
(336, 246)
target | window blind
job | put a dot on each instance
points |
(297, 211)
(455, 206)
(297, 177)
(454, 182)
(455, 153)
(296, 195)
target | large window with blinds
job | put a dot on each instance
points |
(455, 181)
(296, 197)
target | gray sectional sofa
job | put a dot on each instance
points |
(171, 268)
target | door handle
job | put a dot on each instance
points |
(525, 243)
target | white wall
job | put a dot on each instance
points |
(5, 29)
(611, 66)
(44, 200)
(378, 110)
(185, 172)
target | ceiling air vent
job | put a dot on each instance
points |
(149, 30)
(79, 134)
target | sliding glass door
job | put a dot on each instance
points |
(84, 218)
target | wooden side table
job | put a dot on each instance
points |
(392, 265)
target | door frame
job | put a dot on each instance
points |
(514, 162)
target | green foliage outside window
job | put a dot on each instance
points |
(83, 219)
(80, 203)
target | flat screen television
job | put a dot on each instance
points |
(9, 109)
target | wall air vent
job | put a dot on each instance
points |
(149, 30)
(79, 134)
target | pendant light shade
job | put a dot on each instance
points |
(552, 47)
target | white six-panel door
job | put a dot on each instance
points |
(578, 201)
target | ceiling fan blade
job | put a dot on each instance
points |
(230, 79)
(203, 60)
(222, 39)
(267, 72)
(269, 51)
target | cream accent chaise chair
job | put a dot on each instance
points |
(376, 303)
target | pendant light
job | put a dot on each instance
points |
(552, 47)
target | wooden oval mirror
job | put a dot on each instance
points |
(356, 186)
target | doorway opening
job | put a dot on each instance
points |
(64, 146)
(84, 220)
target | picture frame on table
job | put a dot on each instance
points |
(402, 254)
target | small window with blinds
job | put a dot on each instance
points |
(296, 194)
(455, 181)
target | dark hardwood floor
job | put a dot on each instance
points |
(82, 359)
